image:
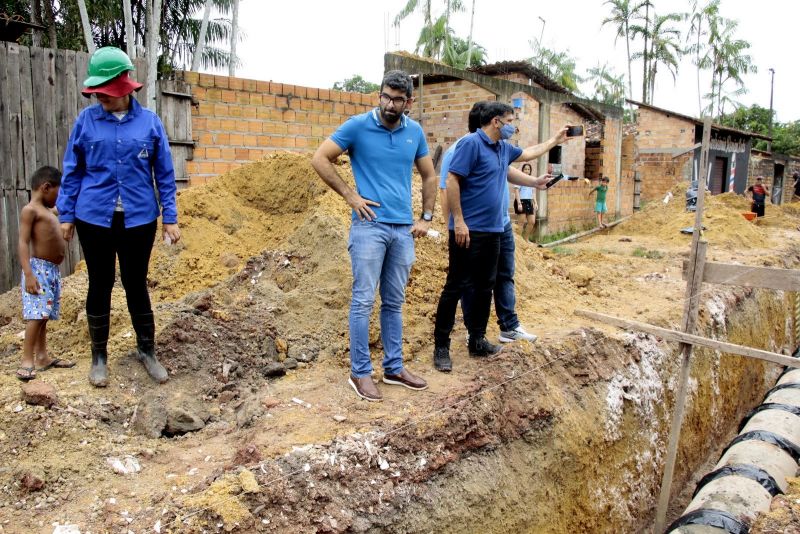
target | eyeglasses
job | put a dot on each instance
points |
(398, 101)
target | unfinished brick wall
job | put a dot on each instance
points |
(660, 171)
(446, 108)
(239, 120)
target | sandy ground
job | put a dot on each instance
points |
(259, 287)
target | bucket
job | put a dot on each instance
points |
(749, 215)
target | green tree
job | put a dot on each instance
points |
(436, 36)
(456, 54)
(180, 26)
(623, 12)
(701, 18)
(356, 84)
(558, 66)
(663, 48)
(607, 86)
(786, 136)
(729, 62)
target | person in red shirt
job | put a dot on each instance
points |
(758, 192)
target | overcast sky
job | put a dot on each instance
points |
(315, 42)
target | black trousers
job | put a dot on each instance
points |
(473, 270)
(101, 248)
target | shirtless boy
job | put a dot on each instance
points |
(41, 251)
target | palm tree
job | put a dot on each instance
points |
(558, 66)
(435, 37)
(608, 87)
(458, 52)
(701, 19)
(663, 48)
(729, 62)
(622, 13)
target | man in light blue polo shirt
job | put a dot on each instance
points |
(383, 144)
(478, 196)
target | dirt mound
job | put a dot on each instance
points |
(723, 220)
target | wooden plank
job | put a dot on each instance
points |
(43, 80)
(12, 229)
(743, 275)
(29, 156)
(5, 131)
(697, 260)
(692, 339)
(60, 118)
(5, 249)
(81, 66)
(14, 115)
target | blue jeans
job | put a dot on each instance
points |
(505, 300)
(379, 253)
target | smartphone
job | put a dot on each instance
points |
(575, 131)
(554, 180)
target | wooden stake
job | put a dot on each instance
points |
(693, 285)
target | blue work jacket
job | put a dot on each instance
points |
(107, 158)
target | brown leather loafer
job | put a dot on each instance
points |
(405, 378)
(365, 388)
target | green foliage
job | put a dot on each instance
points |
(356, 84)
(623, 12)
(180, 26)
(786, 136)
(608, 87)
(558, 66)
(641, 252)
(564, 251)
(456, 54)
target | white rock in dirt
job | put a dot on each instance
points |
(124, 466)
(301, 402)
(66, 529)
(383, 464)
(157, 527)
(339, 418)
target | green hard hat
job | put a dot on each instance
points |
(106, 64)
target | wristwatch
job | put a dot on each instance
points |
(427, 216)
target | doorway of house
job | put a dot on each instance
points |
(777, 184)
(718, 174)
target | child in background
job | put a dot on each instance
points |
(40, 233)
(600, 202)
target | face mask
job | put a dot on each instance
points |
(507, 131)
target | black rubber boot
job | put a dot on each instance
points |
(145, 328)
(98, 332)
(441, 358)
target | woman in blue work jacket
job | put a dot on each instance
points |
(117, 159)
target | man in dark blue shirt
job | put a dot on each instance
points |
(476, 192)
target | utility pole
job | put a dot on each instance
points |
(130, 37)
(469, 40)
(541, 33)
(771, 86)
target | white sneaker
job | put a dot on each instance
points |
(518, 334)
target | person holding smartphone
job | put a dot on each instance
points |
(478, 194)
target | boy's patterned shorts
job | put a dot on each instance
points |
(47, 304)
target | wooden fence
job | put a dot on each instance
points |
(39, 101)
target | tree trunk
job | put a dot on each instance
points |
(234, 38)
(699, 97)
(87, 28)
(130, 36)
(36, 36)
(52, 35)
(645, 59)
(201, 38)
(628, 49)
(153, 41)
